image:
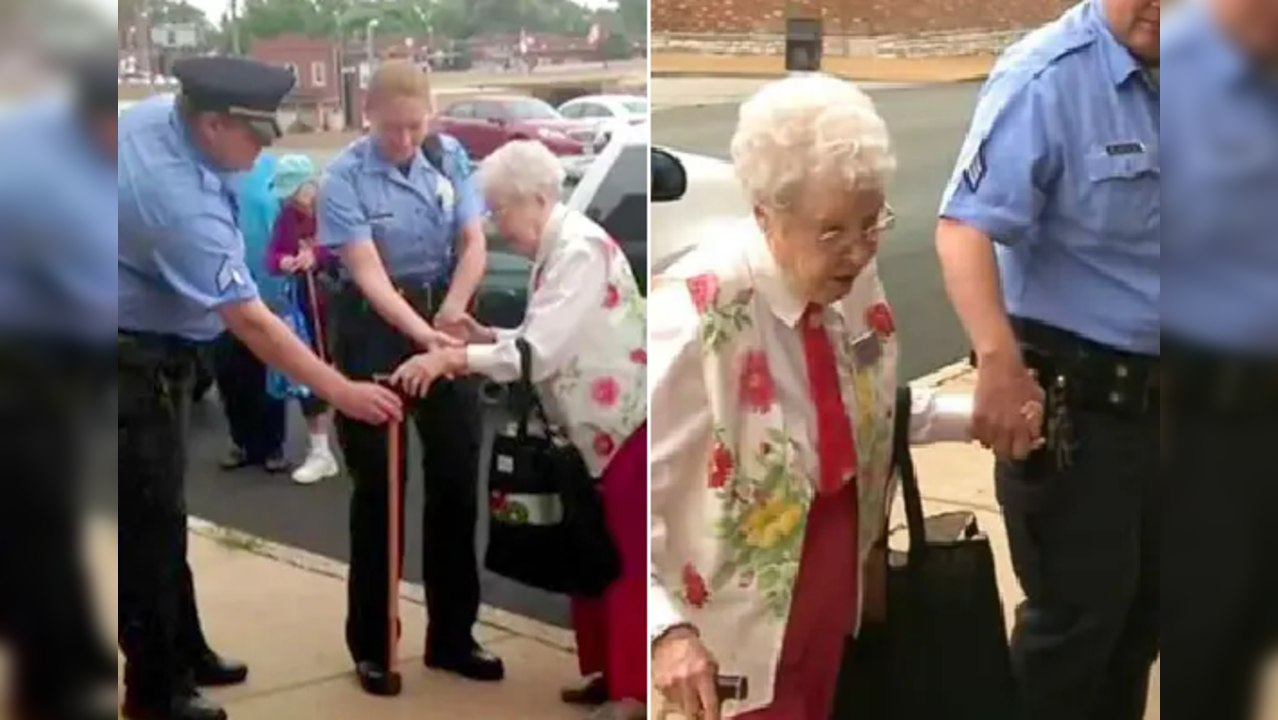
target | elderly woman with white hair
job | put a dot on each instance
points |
(586, 327)
(774, 379)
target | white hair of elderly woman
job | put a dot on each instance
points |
(809, 129)
(522, 170)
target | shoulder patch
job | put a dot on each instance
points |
(229, 275)
(974, 168)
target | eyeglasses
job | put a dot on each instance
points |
(838, 239)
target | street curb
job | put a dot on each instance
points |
(493, 618)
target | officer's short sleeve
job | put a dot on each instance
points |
(1007, 163)
(204, 262)
(470, 206)
(341, 218)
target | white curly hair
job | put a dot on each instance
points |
(521, 170)
(809, 129)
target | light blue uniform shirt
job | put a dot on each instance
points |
(1222, 261)
(56, 234)
(181, 253)
(413, 219)
(1061, 169)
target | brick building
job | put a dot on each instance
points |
(857, 18)
(317, 98)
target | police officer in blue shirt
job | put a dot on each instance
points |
(1220, 333)
(1049, 240)
(57, 300)
(182, 281)
(410, 236)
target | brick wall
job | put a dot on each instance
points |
(859, 18)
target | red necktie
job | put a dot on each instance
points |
(835, 448)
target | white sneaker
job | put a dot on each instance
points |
(319, 466)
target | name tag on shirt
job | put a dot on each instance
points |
(867, 350)
(378, 217)
(1124, 149)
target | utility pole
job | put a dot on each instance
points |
(234, 21)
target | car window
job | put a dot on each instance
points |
(594, 110)
(489, 110)
(461, 111)
(572, 112)
(636, 107)
(531, 109)
(621, 206)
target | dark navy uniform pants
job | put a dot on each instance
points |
(1221, 500)
(160, 632)
(256, 421)
(447, 427)
(1086, 546)
(47, 395)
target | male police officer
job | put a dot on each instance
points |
(412, 246)
(57, 302)
(182, 280)
(1220, 336)
(1056, 204)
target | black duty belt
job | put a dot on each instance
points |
(1093, 376)
(1204, 379)
(423, 294)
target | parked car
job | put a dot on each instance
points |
(691, 196)
(607, 112)
(614, 193)
(485, 124)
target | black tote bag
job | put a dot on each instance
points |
(943, 650)
(547, 527)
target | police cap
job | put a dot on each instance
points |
(237, 86)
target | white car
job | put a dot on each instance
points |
(693, 198)
(608, 113)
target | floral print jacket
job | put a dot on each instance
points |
(733, 428)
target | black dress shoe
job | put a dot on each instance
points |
(212, 670)
(377, 681)
(188, 706)
(593, 694)
(474, 664)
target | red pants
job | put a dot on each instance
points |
(822, 616)
(612, 632)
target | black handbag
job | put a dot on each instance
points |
(943, 651)
(547, 527)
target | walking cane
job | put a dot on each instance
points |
(321, 348)
(394, 504)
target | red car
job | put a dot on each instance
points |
(485, 124)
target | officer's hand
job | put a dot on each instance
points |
(288, 264)
(451, 320)
(369, 403)
(1008, 403)
(685, 673)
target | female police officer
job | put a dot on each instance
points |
(412, 246)
(182, 280)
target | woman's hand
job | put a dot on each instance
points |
(288, 264)
(686, 674)
(305, 260)
(416, 376)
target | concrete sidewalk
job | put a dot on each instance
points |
(284, 615)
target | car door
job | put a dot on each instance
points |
(620, 205)
(459, 121)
